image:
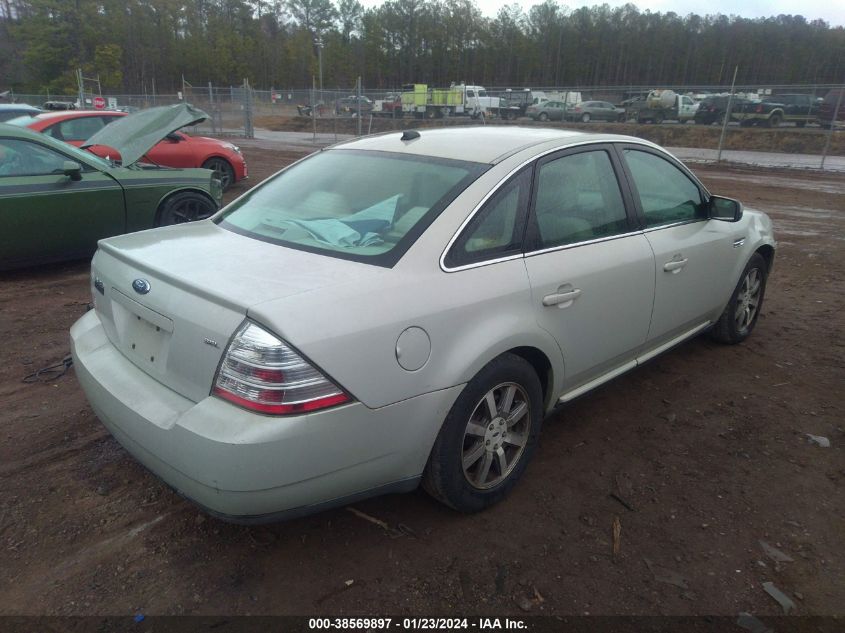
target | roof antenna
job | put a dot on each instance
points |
(410, 135)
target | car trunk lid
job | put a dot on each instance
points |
(172, 298)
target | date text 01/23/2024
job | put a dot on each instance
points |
(415, 624)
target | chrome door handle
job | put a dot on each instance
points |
(675, 265)
(562, 299)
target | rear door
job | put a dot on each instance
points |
(695, 257)
(47, 216)
(591, 269)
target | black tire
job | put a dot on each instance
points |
(800, 123)
(774, 121)
(585, 118)
(543, 117)
(445, 477)
(728, 329)
(185, 206)
(223, 169)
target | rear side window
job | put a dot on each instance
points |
(498, 228)
(76, 129)
(578, 199)
(667, 195)
(366, 206)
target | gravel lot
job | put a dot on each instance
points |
(706, 444)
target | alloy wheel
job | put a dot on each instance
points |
(189, 209)
(222, 171)
(748, 299)
(496, 435)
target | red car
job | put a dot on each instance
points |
(175, 150)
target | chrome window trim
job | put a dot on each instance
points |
(679, 223)
(507, 177)
(561, 247)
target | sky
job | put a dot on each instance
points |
(831, 11)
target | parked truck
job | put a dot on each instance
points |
(390, 106)
(774, 110)
(457, 100)
(514, 103)
(663, 105)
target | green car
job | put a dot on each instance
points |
(57, 201)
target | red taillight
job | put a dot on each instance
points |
(262, 373)
(759, 108)
(282, 409)
(576, 109)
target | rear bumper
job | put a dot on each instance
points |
(247, 467)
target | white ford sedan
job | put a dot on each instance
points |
(405, 309)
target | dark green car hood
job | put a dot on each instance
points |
(134, 135)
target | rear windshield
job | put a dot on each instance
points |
(22, 120)
(360, 205)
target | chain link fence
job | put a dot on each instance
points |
(230, 108)
(793, 125)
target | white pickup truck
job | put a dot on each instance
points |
(665, 105)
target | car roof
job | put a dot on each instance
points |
(72, 114)
(480, 144)
(17, 131)
(19, 106)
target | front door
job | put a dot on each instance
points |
(694, 256)
(686, 108)
(45, 215)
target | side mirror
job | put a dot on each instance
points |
(173, 137)
(72, 169)
(725, 209)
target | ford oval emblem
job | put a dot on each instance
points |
(141, 286)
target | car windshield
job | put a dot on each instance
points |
(361, 205)
(84, 155)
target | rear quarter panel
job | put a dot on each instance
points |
(470, 316)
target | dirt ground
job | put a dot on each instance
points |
(706, 445)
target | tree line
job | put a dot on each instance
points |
(138, 46)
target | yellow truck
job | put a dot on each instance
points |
(422, 101)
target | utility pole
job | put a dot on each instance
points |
(81, 87)
(318, 42)
(727, 116)
(832, 125)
